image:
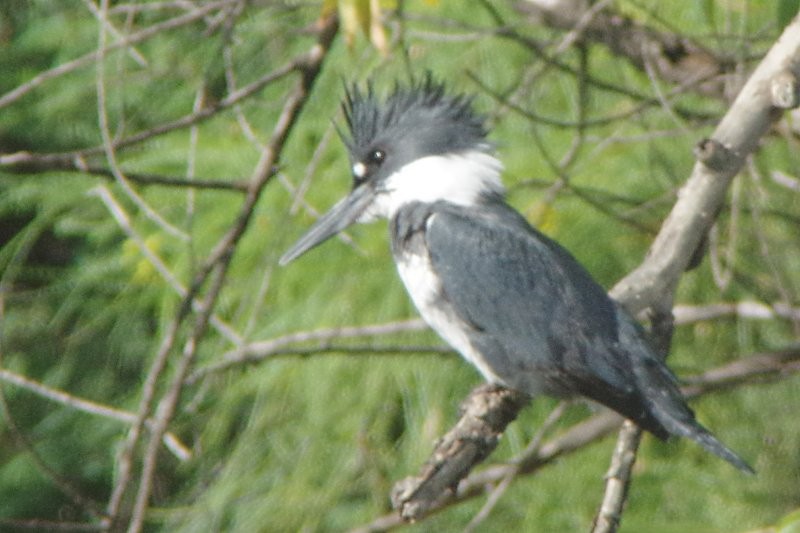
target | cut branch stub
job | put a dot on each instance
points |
(785, 90)
(715, 155)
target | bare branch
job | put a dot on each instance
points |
(49, 525)
(75, 159)
(27, 163)
(653, 283)
(486, 413)
(530, 450)
(123, 221)
(171, 441)
(258, 351)
(618, 479)
(687, 314)
(758, 368)
(216, 267)
(754, 369)
(108, 148)
(703, 195)
(110, 28)
(89, 58)
(673, 57)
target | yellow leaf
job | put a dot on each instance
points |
(543, 217)
(143, 271)
(363, 16)
(353, 15)
(376, 32)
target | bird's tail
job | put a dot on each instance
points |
(704, 438)
(667, 405)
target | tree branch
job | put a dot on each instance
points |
(258, 351)
(171, 441)
(751, 370)
(674, 57)
(687, 314)
(719, 159)
(618, 479)
(215, 268)
(91, 57)
(27, 163)
(485, 414)
(652, 284)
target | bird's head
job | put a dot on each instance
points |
(418, 145)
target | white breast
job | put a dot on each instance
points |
(425, 289)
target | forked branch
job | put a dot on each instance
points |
(771, 89)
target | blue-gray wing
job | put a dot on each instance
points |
(542, 324)
(537, 317)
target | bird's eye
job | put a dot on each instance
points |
(376, 157)
(365, 167)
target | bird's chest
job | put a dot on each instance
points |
(413, 261)
(425, 288)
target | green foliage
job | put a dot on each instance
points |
(313, 438)
(786, 10)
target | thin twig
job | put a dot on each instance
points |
(110, 28)
(618, 479)
(123, 221)
(108, 144)
(216, 266)
(63, 484)
(783, 285)
(89, 58)
(516, 467)
(687, 314)
(27, 163)
(171, 441)
(258, 351)
(36, 524)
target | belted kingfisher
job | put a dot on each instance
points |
(510, 300)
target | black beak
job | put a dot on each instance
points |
(343, 214)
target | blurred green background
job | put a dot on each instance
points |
(313, 439)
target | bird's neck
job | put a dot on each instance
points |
(463, 179)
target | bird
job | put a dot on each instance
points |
(510, 300)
